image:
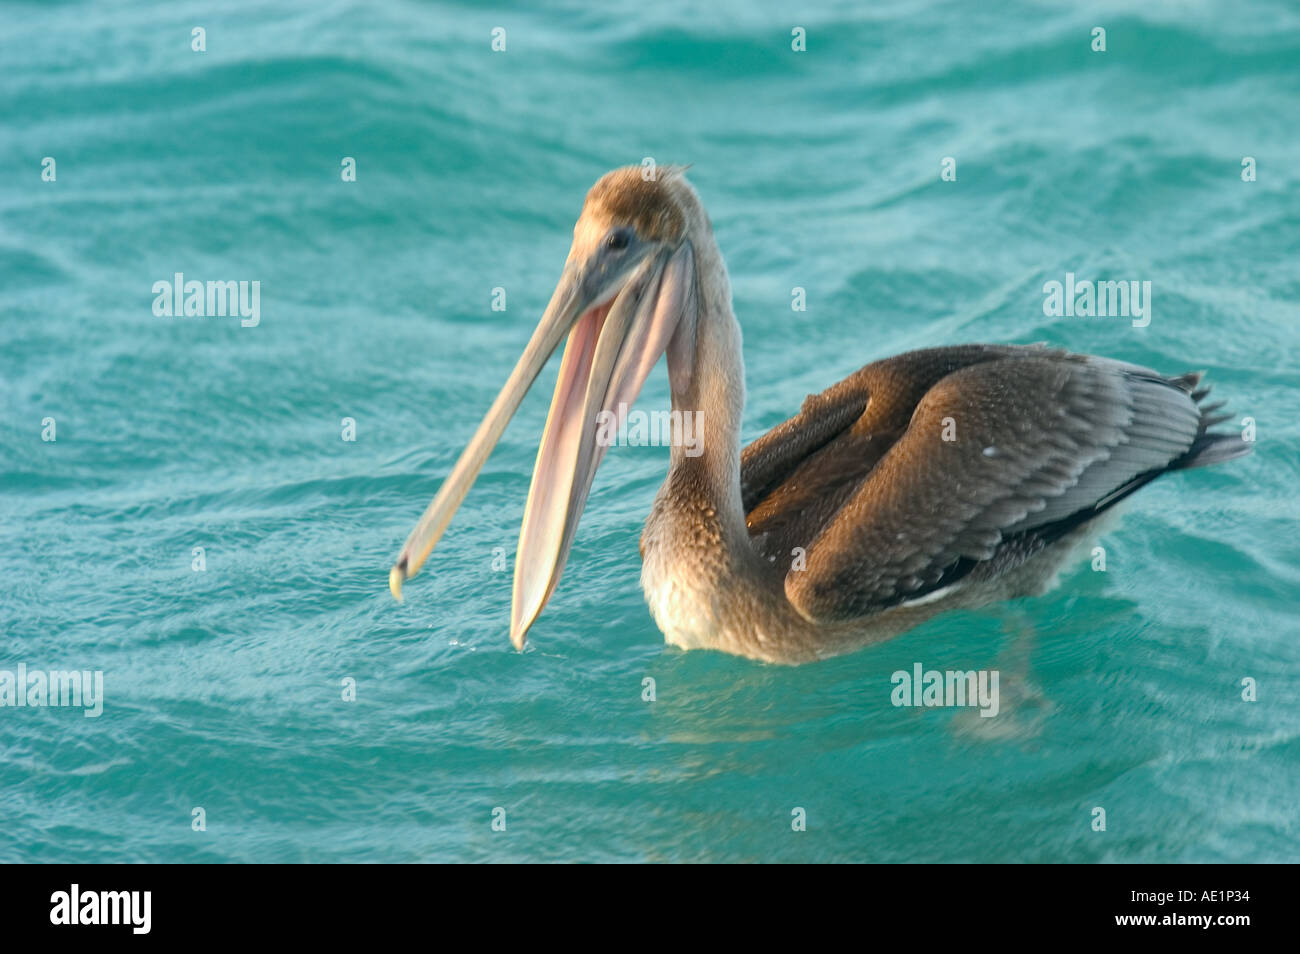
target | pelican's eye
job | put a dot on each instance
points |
(618, 239)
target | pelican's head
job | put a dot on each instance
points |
(627, 294)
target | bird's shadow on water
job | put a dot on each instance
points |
(1021, 707)
(1068, 621)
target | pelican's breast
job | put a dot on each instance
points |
(684, 570)
(704, 591)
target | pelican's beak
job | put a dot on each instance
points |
(617, 328)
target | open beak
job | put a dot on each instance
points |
(615, 334)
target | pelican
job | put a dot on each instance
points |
(944, 478)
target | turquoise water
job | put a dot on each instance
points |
(821, 169)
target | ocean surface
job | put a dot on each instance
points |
(201, 531)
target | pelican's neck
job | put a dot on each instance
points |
(708, 474)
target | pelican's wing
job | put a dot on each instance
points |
(1013, 445)
(798, 475)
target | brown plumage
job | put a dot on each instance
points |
(634, 197)
(944, 462)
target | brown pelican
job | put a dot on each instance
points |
(942, 478)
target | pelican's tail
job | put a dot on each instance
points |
(1208, 448)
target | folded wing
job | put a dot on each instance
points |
(916, 471)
